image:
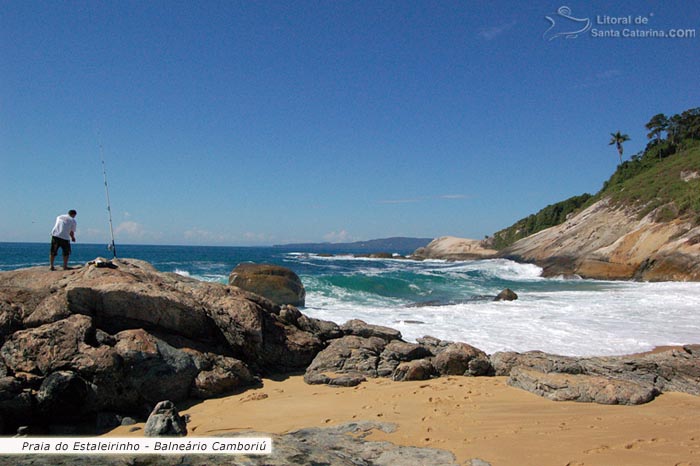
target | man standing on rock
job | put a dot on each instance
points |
(61, 236)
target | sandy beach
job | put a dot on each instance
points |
(471, 417)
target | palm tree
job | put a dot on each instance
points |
(617, 139)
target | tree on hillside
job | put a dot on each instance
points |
(657, 125)
(690, 123)
(617, 139)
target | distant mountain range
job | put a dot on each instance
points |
(401, 245)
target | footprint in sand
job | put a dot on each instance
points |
(254, 397)
(599, 449)
(640, 442)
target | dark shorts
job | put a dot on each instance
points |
(56, 243)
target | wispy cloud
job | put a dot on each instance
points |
(492, 32)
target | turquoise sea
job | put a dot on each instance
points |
(448, 300)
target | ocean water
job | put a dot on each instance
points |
(448, 300)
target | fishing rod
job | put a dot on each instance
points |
(111, 246)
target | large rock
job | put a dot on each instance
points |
(633, 378)
(453, 248)
(462, 359)
(278, 284)
(582, 388)
(94, 339)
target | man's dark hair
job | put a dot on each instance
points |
(72, 213)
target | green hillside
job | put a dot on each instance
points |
(650, 182)
(666, 173)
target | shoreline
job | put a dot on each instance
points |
(471, 417)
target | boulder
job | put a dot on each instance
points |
(462, 359)
(420, 369)
(397, 352)
(360, 328)
(165, 421)
(582, 388)
(506, 295)
(278, 284)
(350, 354)
(223, 376)
(62, 394)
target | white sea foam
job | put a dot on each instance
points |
(597, 318)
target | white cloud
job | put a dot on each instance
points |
(134, 231)
(341, 236)
(130, 229)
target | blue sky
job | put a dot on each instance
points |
(254, 123)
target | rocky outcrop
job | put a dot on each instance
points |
(606, 241)
(101, 343)
(342, 445)
(375, 351)
(278, 284)
(631, 379)
(452, 248)
(79, 343)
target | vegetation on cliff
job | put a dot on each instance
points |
(550, 216)
(665, 175)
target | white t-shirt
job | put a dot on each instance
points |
(64, 225)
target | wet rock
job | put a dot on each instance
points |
(506, 295)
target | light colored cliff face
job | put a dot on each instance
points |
(450, 247)
(607, 242)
